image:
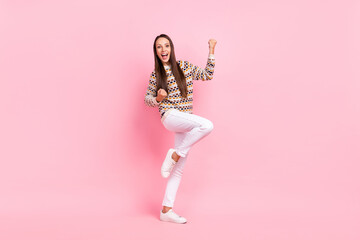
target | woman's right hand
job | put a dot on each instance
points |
(161, 94)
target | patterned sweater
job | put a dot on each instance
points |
(173, 100)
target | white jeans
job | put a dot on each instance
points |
(189, 129)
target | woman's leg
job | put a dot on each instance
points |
(175, 177)
(193, 126)
(173, 183)
(188, 130)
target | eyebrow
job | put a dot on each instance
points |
(164, 44)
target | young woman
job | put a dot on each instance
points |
(171, 90)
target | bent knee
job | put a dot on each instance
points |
(208, 126)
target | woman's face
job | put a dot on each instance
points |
(163, 50)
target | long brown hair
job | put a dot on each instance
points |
(161, 77)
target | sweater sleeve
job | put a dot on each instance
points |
(204, 74)
(150, 96)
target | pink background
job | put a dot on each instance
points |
(81, 153)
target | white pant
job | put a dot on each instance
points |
(189, 129)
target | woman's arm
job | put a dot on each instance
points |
(207, 73)
(150, 96)
(204, 74)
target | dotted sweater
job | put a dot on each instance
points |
(174, 100)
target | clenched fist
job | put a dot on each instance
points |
(161, 94)
(212, 43)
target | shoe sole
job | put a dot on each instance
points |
(172, 221)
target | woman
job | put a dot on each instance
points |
(171, 90)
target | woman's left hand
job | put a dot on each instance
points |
(212, 43)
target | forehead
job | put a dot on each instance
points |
(162, 41)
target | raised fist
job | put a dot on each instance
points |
(212, 43)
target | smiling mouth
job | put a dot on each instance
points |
(164, 56)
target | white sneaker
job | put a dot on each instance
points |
(171, 216)
(168, 164)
